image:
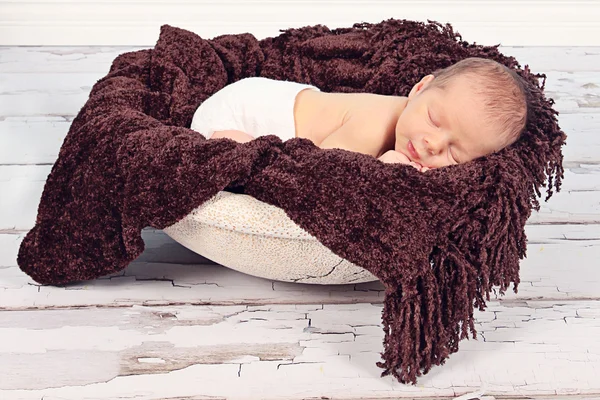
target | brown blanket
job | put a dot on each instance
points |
(437, 240)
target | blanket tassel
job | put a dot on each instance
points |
(413, 340)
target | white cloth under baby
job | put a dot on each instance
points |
(256, 105)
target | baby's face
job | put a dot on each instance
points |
(444, 127)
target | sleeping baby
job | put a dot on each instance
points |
(467, 110)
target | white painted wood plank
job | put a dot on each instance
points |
(32, 140)
(574, 91)
(97, 59)
(161, 248)
(22, 185)
(45, 94)
(569, 208)
(37, 139)
(286, 351)
(73, 59)
(583, 141)
(551, 58)
(556, 23)
(26, 94)
(49, 101)
(540, 234)
(166, 274)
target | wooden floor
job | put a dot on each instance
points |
(174, 325)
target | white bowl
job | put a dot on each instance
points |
(259, 239)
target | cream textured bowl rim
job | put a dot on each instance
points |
(226, 207)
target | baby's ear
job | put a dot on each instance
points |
(422, 84)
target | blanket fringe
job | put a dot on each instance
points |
(415, 336)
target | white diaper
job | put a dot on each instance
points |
(258, 106)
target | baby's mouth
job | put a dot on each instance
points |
(413, 155)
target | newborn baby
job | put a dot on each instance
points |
(467, 110)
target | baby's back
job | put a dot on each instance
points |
(360, 122)
(261, 106)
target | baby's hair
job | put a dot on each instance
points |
(504, 94)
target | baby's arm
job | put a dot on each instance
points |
(238, 136)
(393, 156)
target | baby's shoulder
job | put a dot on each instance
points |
(370, 108)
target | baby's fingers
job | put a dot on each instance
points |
(419, 166)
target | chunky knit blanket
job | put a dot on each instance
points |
(437, 240)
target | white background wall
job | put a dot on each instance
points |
(137, 22)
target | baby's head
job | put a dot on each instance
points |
(467, 110)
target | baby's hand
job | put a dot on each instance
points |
(393, 156)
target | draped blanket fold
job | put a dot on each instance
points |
(437, 240)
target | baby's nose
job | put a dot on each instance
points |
(434, 146)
